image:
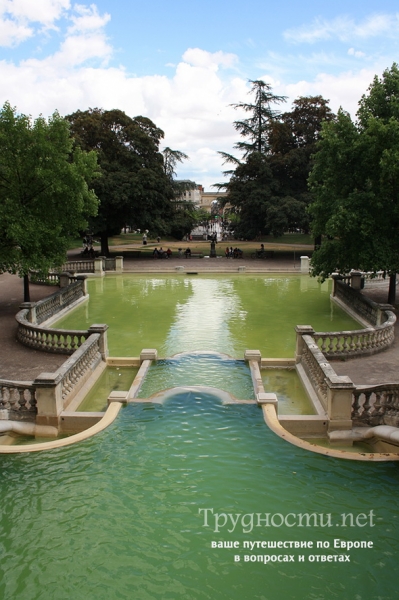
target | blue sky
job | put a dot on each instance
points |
(183, 64)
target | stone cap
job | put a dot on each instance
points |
(148, 354)
(253, 355)
(267, 398)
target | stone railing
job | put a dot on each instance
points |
(55, 391)
(333, 391)
(376, 405)
(51, 278)
(378, 336)
(43, 399)
(17, 400)
(373, 313)
(79, 266)
(360, 342)
(31, 333)
(98, 265)
(39, 312)
(58, 341)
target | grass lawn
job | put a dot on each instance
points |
(288, 243)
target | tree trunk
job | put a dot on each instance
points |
(26, 289)
(392, 289)
(104, 243)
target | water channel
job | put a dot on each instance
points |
(130, 513)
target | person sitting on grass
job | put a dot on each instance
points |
(187, 253)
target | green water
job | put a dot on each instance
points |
(112, 379)
(292, 398)
(118, 516)
(223, 313)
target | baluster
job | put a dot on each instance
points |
(356, 404)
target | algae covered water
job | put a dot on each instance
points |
(131, 513)
(221, 313)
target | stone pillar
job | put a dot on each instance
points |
(252, 355)
(339, 402)
(48, 399)
(335, 277)
(64, 279)
(83, 281)
(103, 343)
(119, 264)
(356, 280)
(99, 266)
(305, 264)
(148, 354)
(31, 307)
(301, 330)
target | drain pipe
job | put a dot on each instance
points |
(23, 428)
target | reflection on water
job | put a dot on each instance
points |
(223, 313)
(202, 321)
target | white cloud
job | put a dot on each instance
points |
(356, 53)
(87, 19)
(344, 29)
(343, 90)
(19, 18)
(13, 33)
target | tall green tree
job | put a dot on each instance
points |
(256, 128)
(134, 187)
(355, 181)
(45, 198)
(268, 187)
(185, 215)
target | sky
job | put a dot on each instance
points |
(185, 63)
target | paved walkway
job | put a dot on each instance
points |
(23, 364)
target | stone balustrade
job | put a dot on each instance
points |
(360, 342)
(333, 391)
(79, 266)
(98, 265)
(373, 313)
(49, 394)
(58, 341)
(17, 400)
(376, 405)
(32, 317)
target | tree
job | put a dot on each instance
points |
(355, 181)
(268, 189)
(134, 187)
(185, 215)
(256, 128)
(44, 193)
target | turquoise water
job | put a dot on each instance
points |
(223, 313)
(202, 369)
(118, 516)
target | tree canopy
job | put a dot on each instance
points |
(134, 187)
(355, 182)
(268, 188)
(44, 194)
